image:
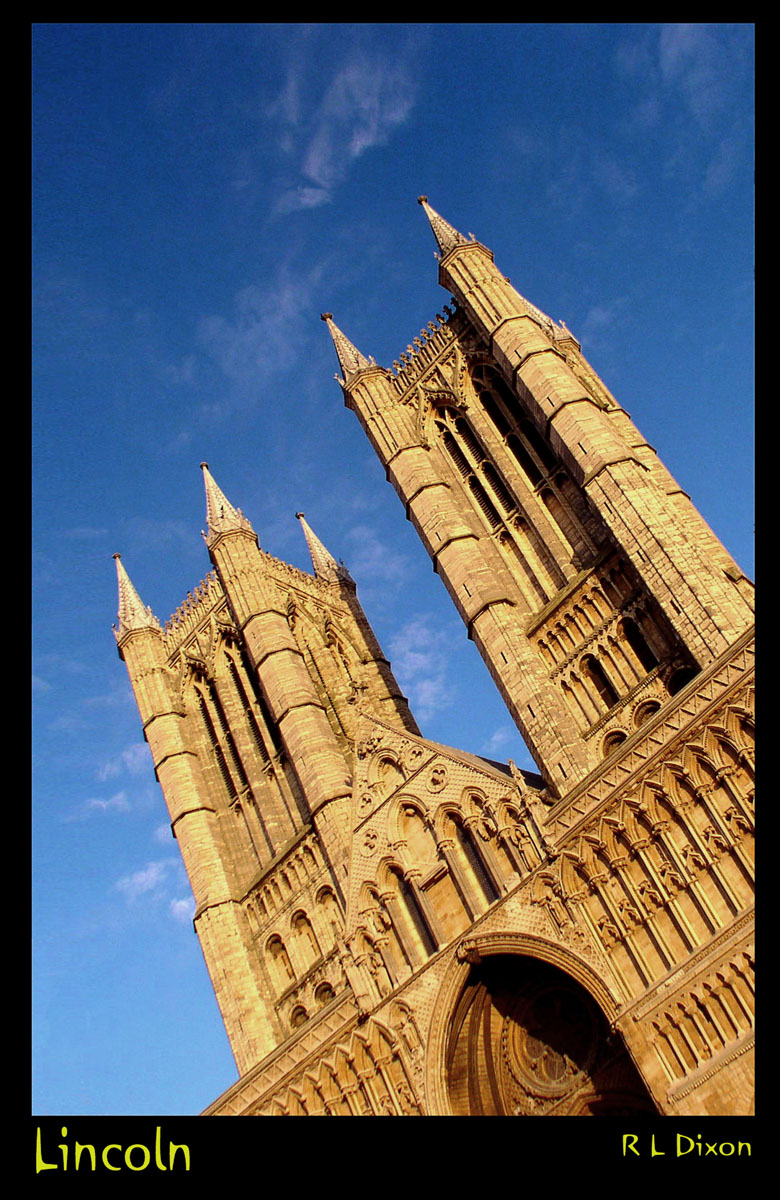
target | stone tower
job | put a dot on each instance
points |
(396, 926)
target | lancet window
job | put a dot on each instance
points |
(417, 925)
(470, 862)
(307, 947)
(279, 965)
(535, 566)
(596, 676)
(539, 465)
(238, 676)
(215, 744)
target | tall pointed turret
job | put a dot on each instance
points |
(133, 613)
(325, 565)
(350, 358)
(222, 517)
(446, 235)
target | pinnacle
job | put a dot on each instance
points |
(222, 517)
(350, 358)
(325, 565)
(133, 613)
(446, 235)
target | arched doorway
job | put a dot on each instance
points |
(528, 1040)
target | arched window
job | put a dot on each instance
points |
(306, 941)
(593, 671)
(473, 855)
(324, 994)
(279, 963)
(636, 641)
(329, 909)
(298, 1017)
(612, 741)
(423, 935)
(645, 711)
(680, 678)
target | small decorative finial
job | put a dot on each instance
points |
(350, 358)
(221, 515)
(133, 613)
(447, 237)
(325, 565)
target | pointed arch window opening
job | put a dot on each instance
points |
(494, 499)
(239, 796)
(273, 752)
(248, 710)
(618, 677)
(256, 814)
(633, 634)
(572, 693)
(425, 942)
(478, 864)
(330, 914)
(390, 945)
(538, 462)
(324, 692)
(381, 960)
(593, 671)
(216, 747)
(227, 738)
(533, 591)
(279, 965)
(307, 947)
(625, 661)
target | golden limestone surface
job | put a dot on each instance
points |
(396, 926)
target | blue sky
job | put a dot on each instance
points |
(201, 194)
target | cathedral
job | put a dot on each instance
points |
(394, 926)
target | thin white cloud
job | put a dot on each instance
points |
(498, 741)
(693, 58)
(182, 910)
(371, 559)
(119, 802)
(601, 322)
(420, 652)
(146, 532)
(298, 198)
(365, 102)
(160, 882)
(150, 879)
(135, 760)
(268, 325)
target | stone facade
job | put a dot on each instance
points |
(393, 926)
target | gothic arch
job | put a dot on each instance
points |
(279, 965)
(385, 773)
(588, 1071)
(305, 940)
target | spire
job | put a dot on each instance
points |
(446, 235)
(350, 358)
(222, 517)
(325, 565)
(133, 614)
